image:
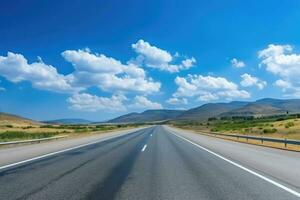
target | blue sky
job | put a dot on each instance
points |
(99, 59)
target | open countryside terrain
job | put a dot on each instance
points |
(274, 126)
(150, 100)
(265, 117)
(14, 127)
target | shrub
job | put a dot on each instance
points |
(270, 130)
(27, 127)
(9, 135)
(289, 124)
(212, 119)
(46, 126)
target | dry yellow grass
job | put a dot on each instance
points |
(250, 141)
(283, 129)
(8, 119)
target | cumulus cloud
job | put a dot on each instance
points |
(155, 57)
(283, 84)
(15, 68)
(90, 70)
(208, 97)
(283, 63)
(152, 55)
(108, 73)
(84, 60)
(177, 101)
(98, 70)
(237, 63)
(141, 102)
(206, 88)
(248, 81)
(93, 103)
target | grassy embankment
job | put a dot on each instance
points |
(16, 132)
(286, 127)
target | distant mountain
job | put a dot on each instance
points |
(291, 105)
(209, 110)
(267, 106)
(147, 116)
(253, 109)
(68, 121)
(261, 107)
(15, 120)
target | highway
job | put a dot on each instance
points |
(155, 163)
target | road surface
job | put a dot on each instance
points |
(152, 163)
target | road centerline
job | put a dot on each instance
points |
(144, 147)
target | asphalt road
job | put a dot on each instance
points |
(152, 163)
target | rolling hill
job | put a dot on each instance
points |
(291, 105)
(10, 119)
(261, 107)
(147, 116)
(265, 107)
(209, 110)
(70, 121)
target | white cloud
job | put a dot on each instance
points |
(152, 55)
(155, 57)
(141, 102)
(237, 63)
(283, 84)
(90, 70)
(93, 103)
(232, 94)
(15, 68)
(248, 81)
(177, 101)
(206, 88)
(280, 61)
(108, 73)
(189, 62)
(208, 97)
(84, 60)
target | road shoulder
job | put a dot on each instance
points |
(20, 153)
(279, 164)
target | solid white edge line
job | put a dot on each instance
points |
(143, 149)
(240, 166)
(62, 151)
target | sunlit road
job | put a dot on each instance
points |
(152, 163)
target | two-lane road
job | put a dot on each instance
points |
(152, 163)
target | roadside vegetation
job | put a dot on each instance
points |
(286, 126)
(9, 132)
(22, 135)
